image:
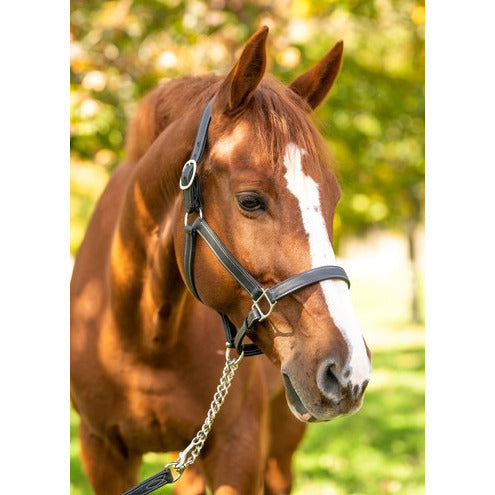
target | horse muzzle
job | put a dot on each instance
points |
(329, 399)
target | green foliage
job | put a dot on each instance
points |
(378, 451)
(86, 183)
(374, 119)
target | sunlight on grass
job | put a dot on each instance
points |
(378, 451)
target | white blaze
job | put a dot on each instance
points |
(336, 293)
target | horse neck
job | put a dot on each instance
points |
(148, 296)
(145, 283)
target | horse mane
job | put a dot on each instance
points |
(278, 116)
(159, 108)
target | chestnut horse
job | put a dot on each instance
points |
(146, 355)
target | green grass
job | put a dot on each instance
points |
(380, 450)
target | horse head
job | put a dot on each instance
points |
(269, 194)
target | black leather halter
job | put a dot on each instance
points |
(266, 298)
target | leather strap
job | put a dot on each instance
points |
(231, 335)
(192, 195)
(202, 134)
(189, 181)
(308, 277)
(189, 251)
(245, 279)
(152, 483)
(241, 334)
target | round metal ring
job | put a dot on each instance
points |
(186, 216)
(232, 360)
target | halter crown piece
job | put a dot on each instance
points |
(262, 298)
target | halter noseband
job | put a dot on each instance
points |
(189, 183)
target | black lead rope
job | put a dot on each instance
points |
(264, 300)
(152, 483)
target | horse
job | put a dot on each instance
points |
(146, 353)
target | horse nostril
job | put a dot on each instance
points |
(328, 382)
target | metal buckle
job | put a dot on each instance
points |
(264, 316)
(187, 164)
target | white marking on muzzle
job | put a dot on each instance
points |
(335, 292)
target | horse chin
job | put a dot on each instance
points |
(304, 414)
(296, 406)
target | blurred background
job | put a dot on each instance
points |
(374, 124)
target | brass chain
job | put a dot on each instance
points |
(191, 452)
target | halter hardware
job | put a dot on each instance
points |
(188, 173)
(186, 216)
(257, 307)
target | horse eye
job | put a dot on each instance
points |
(251, 202)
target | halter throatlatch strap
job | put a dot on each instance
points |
(231, 334)
(264, 300)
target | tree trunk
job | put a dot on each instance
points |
(414, 273)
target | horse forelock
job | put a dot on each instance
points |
(279, 117)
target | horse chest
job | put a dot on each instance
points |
(162, 412)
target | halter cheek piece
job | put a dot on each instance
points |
(264, 300)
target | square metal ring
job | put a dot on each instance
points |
(264, 316)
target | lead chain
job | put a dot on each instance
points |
(191, 452)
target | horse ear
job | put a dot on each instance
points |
(314, 84)
(243, 79)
